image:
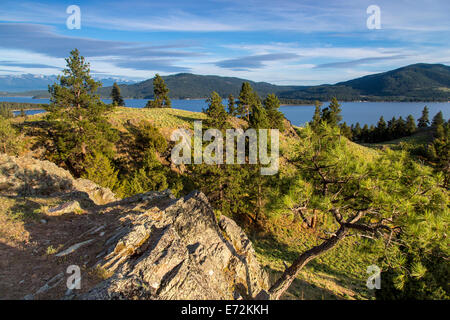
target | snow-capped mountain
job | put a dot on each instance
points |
(28, 82)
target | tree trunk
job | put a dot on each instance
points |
(289, 275)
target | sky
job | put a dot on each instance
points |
(285, 42)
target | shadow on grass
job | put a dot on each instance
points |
(302, 290)
(274, 250)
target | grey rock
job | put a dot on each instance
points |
(68, 207)
(73, 248)
(181, 252)
(27, 176)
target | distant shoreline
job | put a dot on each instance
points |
(283, 104)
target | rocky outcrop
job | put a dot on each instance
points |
(181, 252)
(27, 176)
(149, 246)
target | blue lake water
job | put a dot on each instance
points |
(352, 112)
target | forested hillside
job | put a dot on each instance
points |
(419, 82)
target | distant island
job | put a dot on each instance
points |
(417, 82)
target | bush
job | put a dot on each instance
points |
(9, 140)
(100, 170)
(148, 136)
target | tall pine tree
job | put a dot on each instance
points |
(424, 120)
(332, 114)
(274, 116)
(161, 94)
(247, 100)
(78, 117)
(116, 97)
(217, 116)
(232, 111)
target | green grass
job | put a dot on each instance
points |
(161, 118)
(338, 274)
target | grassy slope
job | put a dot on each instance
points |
(339, 274)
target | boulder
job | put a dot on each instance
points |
(26, 176)
(181, 252)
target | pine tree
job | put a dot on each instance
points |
(217, 116)
(161, 94)
(400, 128)
(391, 127)
(77, 117)
(317, 115)
(357, 132)
(117, 99)
(365, 133)
(247, 100)
(410, 125)
(232, 111)
(424, 120)
(438, 119)
(274, 115)
(441, 149)
(9, 140)
(380, 131)
(361, 196)
(346, 131)
(372, 131)
(6, 112)
(259, 118)
(332, 114)
(101, 171)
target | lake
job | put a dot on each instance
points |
(352, 112)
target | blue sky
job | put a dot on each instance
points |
(279, 41)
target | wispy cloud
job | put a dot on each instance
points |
(254, 62)
(353, 63)
(287, 41)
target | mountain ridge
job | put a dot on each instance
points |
(416, 82)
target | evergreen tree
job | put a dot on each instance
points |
(438, 119)
(410, 125)
(378, 196)
(151, 176)
(77, 117)
(372, 132)
(161, 94)
(365, 133)
(400, 128)
(9, 140)
(6, 112)
(380, 131)
(247, 100)
(217, 116)
(117, 99)
(274, 115)
(259, 118)
(100, 170)
(317, 115)
(332, 114)
(357, 132)
(424, 121)
(441, 151)
(232, 111)
(346, 131)
(391, 127)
